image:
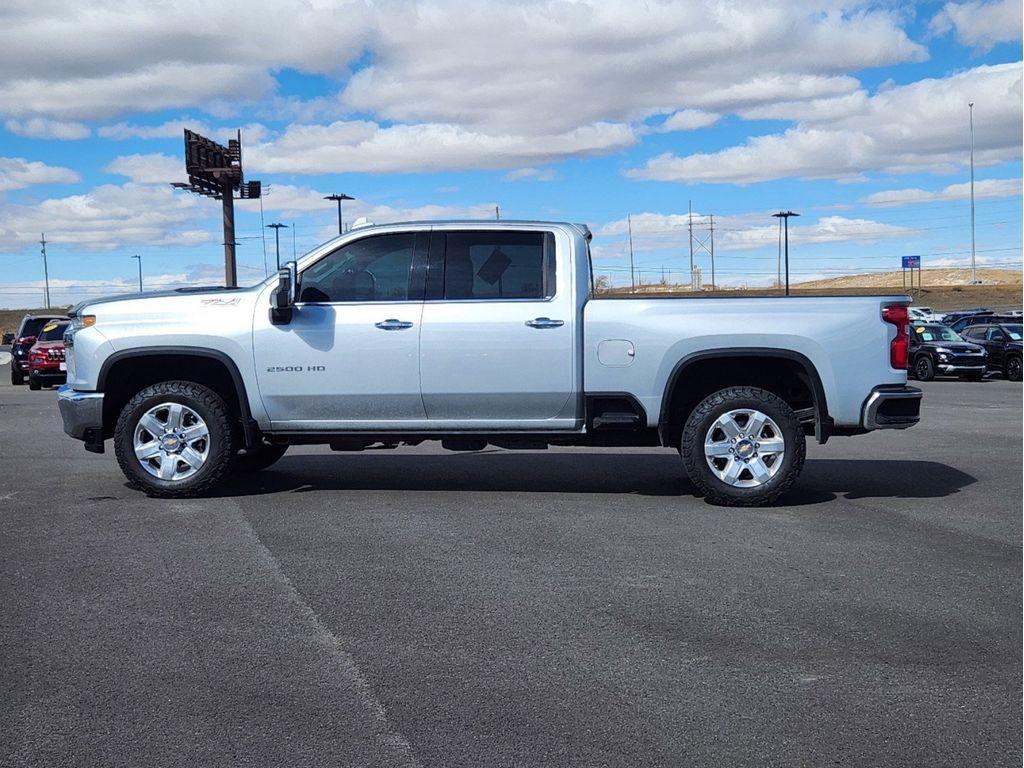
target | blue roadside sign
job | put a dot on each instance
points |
(911, 262)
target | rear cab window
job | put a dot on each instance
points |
(493, 265)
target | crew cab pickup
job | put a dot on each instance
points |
(476, 333)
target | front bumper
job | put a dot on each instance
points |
(892, 408)
(48, 375)
(954, 369)
(82, 414)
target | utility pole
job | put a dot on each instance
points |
(778, 260)
(46, 272)
(277, 240)
(294, 255)
(784, 215)
(689, 205)
(263, 236)
(136, 256)
(497, 213)
(338, 199)
(974, 264)
(712, 217)
(632, 275)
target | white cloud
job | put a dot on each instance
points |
(148, 169)
(981, 24)
(917, 127)
(17, 173)
(657, 231)
(109, 216)
(984, 188)
(42, 128)
(532, 174)
(174, 129)
(292, 201)
(362, 146)
(560, 80)
(686, 120)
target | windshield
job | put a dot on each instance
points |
(52, 332)
(33, 325)
(936, 333)
(1013, 331)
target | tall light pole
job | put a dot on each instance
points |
(784, 215)
(136, 256)
(277, 240)
(632, 274)
(974, 264)
(338, 199)
(46, 271)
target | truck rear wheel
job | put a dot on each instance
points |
(743, 447)
(174, 439)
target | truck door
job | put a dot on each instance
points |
(498, 341)
(349, 358)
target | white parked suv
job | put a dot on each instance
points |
(476, 333)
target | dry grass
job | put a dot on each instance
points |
(944, 289)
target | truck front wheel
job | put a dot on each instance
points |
(743, 447)
(174, 439)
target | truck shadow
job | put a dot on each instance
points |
(645, 474)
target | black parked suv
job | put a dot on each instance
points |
(964, 323)
(30, 327)
(937, 350)
(1002, 341)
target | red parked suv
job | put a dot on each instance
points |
(30, 326)
(46, 364)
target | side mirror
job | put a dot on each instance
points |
(284, 296)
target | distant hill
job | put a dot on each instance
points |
(930, 278)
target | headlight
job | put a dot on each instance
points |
(943, 357)
(83, 321)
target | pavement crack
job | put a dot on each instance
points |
(386, 732)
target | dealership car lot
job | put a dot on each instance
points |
(560, 607)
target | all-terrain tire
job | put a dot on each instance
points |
(209, 406)
(700, 422)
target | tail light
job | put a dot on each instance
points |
(899, 347)
(25, 341)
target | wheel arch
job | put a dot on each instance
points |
(142, 366)
(676, 393)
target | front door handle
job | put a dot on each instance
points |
(545, 322)
(393, 325)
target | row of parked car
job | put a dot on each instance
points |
(967, 344)
(37, 351)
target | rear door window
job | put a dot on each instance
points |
(499, 265)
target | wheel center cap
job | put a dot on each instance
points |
(744, 449)
(170, 444)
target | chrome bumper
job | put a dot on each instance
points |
(82, 414)
(950, 368)
(896, 408)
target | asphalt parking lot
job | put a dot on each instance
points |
(568, 607)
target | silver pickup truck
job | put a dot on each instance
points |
(476, 333)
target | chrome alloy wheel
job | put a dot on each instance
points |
(744, 448)
(171, 441)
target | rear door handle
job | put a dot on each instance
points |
(393, 325)
(545, 322)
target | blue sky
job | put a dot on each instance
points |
(854, 115)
